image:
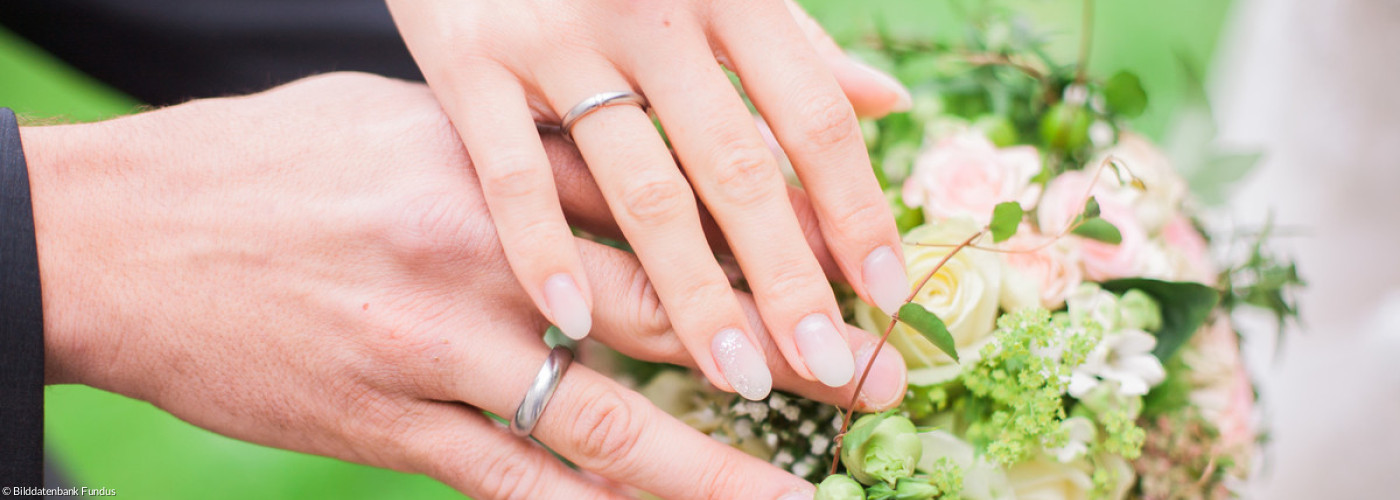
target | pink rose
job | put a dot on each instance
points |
(965, 174)
(1064, 200)
(1222, 388)
(1161, 200)
(1051, 270)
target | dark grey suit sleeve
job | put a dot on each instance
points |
(21, 320)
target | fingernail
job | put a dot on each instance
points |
(741, 364)
(905, 101)
(885, 279)
(567, 307)
(826, 353)
(885, 385)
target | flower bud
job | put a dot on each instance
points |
(1139, 311)
(881, 448)
(839, 487)
(908, 489)
(1065, 127)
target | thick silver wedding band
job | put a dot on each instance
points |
(532, 405)
(597, 102)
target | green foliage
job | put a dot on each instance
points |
(1017, 387)
(1006, 218)
(930, 326)
(1098, 229)
(1124, 93)
(1185, 307)
(1172, 394)
(1264, 280)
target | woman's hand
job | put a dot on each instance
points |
(313, 268)
(497, 64)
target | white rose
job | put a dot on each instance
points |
(1045, 479)
(982, 479)
(965, 175)
(964, 293)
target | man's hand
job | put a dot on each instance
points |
(314, 268)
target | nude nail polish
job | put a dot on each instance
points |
(905, 102)
(741, 364)
(885, 384)
(885, 279)
(566, 306)
(824, 350)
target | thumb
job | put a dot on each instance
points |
(872, 92)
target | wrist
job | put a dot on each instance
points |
(60, 160)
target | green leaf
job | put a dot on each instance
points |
(1125, 95)
(931, 326)
(1091, 208)
(1006, 218)
(1221, 173)
(1098, 229)
(1185, 307)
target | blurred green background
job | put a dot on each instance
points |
(105, 440)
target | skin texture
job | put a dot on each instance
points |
(314, 268)
(497, 64)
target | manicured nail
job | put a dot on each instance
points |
(885, 279)
(826, 353)
(905, 101)
(741, 364)
(567, 307)
(885, 385)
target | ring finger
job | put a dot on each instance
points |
(656, 210)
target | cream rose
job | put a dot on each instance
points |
(964, 293)
(1160, 201)
(1064, 200)
(1050, 271)
(965, 175)
(1046, 479)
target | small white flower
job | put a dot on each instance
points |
(807, 428)
(791, 412)
(1124, 357)
(1081, 431)
(783, 459)
(820, 445)
(743, 429)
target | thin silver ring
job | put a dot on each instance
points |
(596, 102)
(532, 405)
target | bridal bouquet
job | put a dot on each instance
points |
(1068, 331)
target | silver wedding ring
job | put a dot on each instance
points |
(532, 405)
(597, 102)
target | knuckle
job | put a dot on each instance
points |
(746, 175)
(510, 176)
(853, 218)
(510, 475)
(651, 315)
(830, 121)
(655, 200)
(721, 479)
(435, 226)
(607, 428)
(792, 280)
(703, 294)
